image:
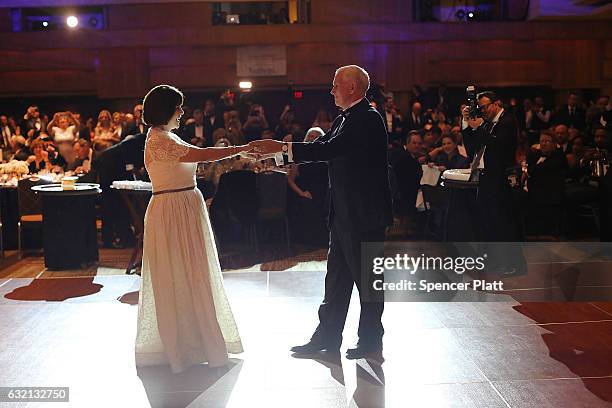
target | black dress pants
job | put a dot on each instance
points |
(344, 271)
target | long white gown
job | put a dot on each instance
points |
(184, 317)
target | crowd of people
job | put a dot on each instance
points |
(559, 150)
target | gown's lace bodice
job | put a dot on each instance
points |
(163, 151)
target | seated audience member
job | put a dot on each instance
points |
(137, 125)
(234, 131)
(21, 151)
(119, 125)
(562, 139)
(84, 155)
(323, 120)
(578, 168)
(577, 189)
(408, 173)
(63, 130)
(546, 172)
(212, 120)
(104, 132)
(194, 132)
(449, 157)
(255, 124)
(308, 198)
(39, 160)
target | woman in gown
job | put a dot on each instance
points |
(184, 317)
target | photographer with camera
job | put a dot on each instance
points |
(490, 135)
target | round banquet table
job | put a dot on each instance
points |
(69, 225)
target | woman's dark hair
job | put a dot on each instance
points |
(160, 103)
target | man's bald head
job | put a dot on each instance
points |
(351, 83)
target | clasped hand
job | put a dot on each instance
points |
(263, 149)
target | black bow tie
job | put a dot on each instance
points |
(344, 113)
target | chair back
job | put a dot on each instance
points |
(29, 202)
(272, 195)
(237, 195)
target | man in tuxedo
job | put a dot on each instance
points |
(118, 162)
(492, 140)
(415, 120)
(562, 139)
(355, 150)
(194, 133)
(571, 115)
(7, 132)
(137, 126)
(212, 121)
(393, 121)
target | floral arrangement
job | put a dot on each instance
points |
(15, 167)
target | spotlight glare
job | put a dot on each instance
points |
(245, 84)
(72, 21)
(470, 15)
(45, 24)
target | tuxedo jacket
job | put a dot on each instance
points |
(546, 181)
(134, 129)
(499, 153)
(188, 133)
(210, 127)
(355, 150)
(110, 165)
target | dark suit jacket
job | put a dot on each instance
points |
(134, 129)
(356, 152)
(500, 150)
(577, 120)
(188, 132)
(110, 165)
(209, 127)
(546, 181)
(408, 173)
(410, 124)
(496, 213)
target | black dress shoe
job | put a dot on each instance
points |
(314, 347)
(369, 351)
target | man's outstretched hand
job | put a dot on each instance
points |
(266, 146)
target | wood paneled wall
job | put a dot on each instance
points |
(176, 43)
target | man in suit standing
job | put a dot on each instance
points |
(393, 122)
(360, 209)
(194, 131)
(492, 140)
(137, 126)
(415, 120)
(212, 121)
(118, 162)
(571, 115)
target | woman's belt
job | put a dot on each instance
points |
(176, 190)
